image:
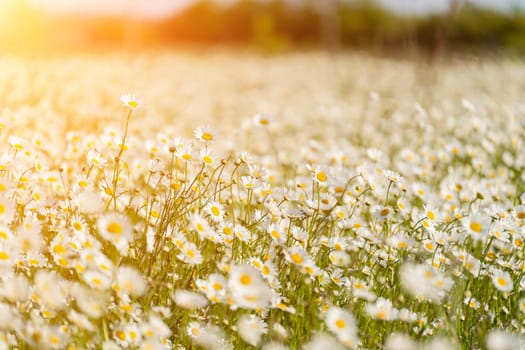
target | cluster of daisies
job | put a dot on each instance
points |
(132, 239)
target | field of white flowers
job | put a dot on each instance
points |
(304, 201)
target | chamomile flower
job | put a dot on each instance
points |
(7, 210)
(343, 325)
(189, 300)
(50, 290)
(398, 341)
(208, 157)
(339, 258)
(206, 134)
(130, 101)
(297, 256)
(323, 341)
(424, 282)
(78, 226)
(89, 301)
(382, 309)
(248, 288)
(15, 288)
(503, 340)
(321, 176)
(116, 229)
(201, 225)
(190, 254)
(215, 211)
(278, 233)
(215, 287)
(262, 120)
(96, 280)
(477, 226)
(251, 328)
(502, 280)
(129, 281)
(207, 336)
(472, 302)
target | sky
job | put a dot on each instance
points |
(425, 6)
(156, 9)
(149, 9)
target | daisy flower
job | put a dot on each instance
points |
(205, 134)
(342, 324)
(96, 280)
(116, 229)
(278, 233)
(261, 120)
(7, 210)
(215, 211)
(215, 287)
(320, 175)
(251, 328)
(477, 226)
(297, 255)
(502, 281)
(323, 341)
(130, 100)
(382, 310)
(248, 287)
(129, 281)
(189, 300)
(190, 254)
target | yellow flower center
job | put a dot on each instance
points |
(297, 258)
(381, 314)
(321, 176)
(476, 226)
(340, 324)
(59, 249)
(120, 334)
(402, 244)
(115, 228)
(246, 280)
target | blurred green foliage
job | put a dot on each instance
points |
(276, 26)
(363, 24)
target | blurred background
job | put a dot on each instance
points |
(385, 27)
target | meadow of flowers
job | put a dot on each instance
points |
(304, 201)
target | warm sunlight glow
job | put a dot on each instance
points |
(21, 24)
